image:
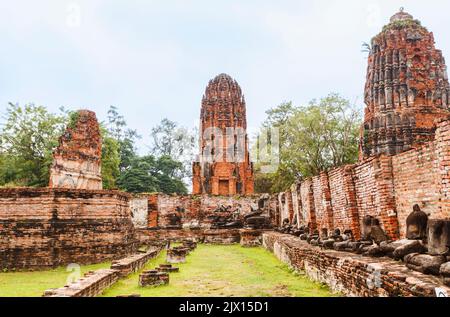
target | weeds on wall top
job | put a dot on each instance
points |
(401, 24)
(73, 119)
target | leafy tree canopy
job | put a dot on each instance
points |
(313, 138)
(147, 174)
(28, 137)
(179, 143)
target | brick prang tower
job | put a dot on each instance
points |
(407, 89)
(223, 110)
(77, 159)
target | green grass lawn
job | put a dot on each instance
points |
(33, 284)
(221, 271)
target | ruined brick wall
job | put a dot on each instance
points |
(343, 199)
(405, 141)
(225, 168)
(43, 228)
(351, 274)
(211, 236)
(91, 285)
(296, 203)
(274, 211)
(307, 204)
(289, 205)
(139, 211)
(283, 206)
(94, 283)
(407, 88)
(416, 181)
(199, 211)
(322, 202)
(385, 187)
(77, 159)
(152, 210)
(367, 196)
(170, 207)
(443, 158)
(375, 192)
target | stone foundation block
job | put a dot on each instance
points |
(177, 255)
(153, 278)
(250, 238)
(167, 268)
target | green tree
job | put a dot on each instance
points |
(9, 176)
(28, 137)
(147, 174)
(110, 160)
(169, 139)
(280, 115)
(125, 137)
(313, 138)
(278, 118)
(138, 177)
(327, 134)
(168, 173)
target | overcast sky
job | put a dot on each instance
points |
(153, 59)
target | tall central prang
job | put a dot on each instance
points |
(224, 166)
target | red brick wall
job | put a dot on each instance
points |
(290, 205)
(343, 199)
(322, 202)
(195, 211)
(385, 187)
(367, 196)
(295, 193)
(443, 157)
(213, 236)
(153, 210)
(416, 181)
(284, 210)
(51, 227)
(375, 192)
(274, 211)
(307, 203)
(153, 219)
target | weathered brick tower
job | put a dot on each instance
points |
(407, 88)
(77, 159)
(224, 166)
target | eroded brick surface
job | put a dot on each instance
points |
(351, 274)
(322, 202)
(46, 227)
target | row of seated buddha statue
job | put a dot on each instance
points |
(223, 217)
(425, 248)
